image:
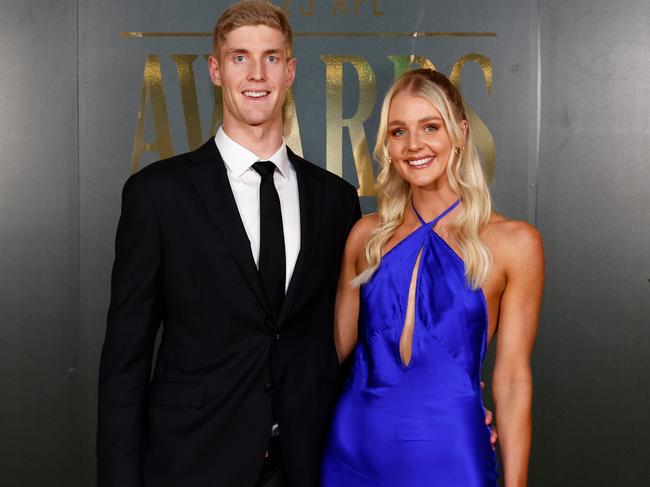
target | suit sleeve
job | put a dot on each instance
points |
(355, 211)
(134, 315)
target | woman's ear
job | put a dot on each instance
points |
(464, 128)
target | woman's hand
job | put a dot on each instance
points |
(489, 417)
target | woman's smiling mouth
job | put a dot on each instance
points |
(420, 162)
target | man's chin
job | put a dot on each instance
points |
(258, 123)
(260, 120)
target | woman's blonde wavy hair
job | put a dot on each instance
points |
(464, 171)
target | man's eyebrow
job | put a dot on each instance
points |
(236, 50)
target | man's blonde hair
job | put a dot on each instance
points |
(252, 12)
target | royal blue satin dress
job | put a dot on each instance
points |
(421, 424)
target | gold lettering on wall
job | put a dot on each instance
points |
(152, 89)
(286, 6)
(344, 6)
(340, 4)
(484, 62)
(153, 108)
(404, 63)
(152, 92)
(308, 8)
(309, 12)
(291, 128)
(189, 99)
(217, 111)
(481, 133)
(336, 122)
(305, 12)
(217, 107)
(485, 143)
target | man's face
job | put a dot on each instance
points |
(254, 74)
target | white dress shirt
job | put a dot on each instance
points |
(245, 185)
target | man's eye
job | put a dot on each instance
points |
(272, 59)
(240, 58)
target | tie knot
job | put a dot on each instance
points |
(264, 169)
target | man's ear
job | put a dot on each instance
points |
(291, 70)
(214, 70)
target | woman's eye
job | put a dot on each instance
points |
(397, 132)
(430, 129)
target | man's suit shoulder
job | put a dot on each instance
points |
(164, 177)
(163, 170)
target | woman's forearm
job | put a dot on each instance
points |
(512, 400)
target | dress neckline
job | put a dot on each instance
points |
(433, 222)
(430, 224)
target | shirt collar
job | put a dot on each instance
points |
(239, 159)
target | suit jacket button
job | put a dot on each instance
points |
(268, 388)
(276, 337)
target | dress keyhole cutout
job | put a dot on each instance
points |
(406, 339)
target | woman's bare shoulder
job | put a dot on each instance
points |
(364, 227)
(361, 231)
(355, 247)
(512, 240)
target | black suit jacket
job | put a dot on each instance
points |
(183, 259)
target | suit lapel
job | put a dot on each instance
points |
(311, 197)
(208, 175)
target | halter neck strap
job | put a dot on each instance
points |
(433, 222)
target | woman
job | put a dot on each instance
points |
(426, 283)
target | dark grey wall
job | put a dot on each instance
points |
(39, 244)
(593, 353)
(568, 112)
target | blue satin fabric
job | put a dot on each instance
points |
(420, 424)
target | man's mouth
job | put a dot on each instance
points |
(420, 162)
(255, 94)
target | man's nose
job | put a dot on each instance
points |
(257, 71)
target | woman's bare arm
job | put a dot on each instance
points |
(346, 312)
(521, 254)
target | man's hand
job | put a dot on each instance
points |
(488, 422)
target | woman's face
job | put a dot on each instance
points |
(418, 142)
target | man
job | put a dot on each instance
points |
(235, 248)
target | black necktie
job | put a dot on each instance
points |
(272, 262)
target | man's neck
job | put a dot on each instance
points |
(262, 140)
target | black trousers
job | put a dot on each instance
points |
(273, 473)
